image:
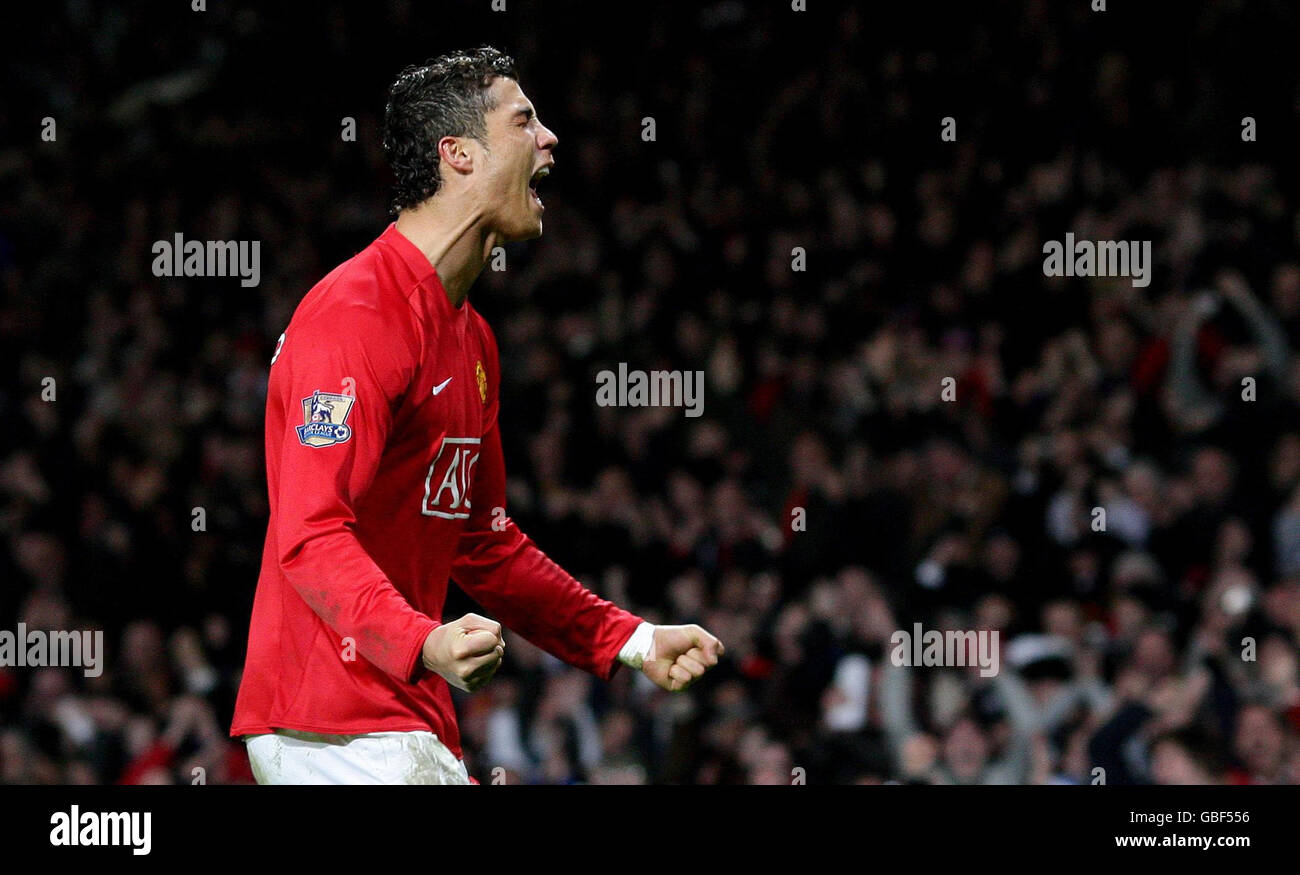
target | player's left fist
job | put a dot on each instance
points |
(680, 655)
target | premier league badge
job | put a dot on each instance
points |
(325, 417)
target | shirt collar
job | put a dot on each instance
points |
(421, 268)
(410, 254)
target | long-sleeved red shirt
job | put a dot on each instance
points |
(386, 479)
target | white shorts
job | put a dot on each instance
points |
(291, 757)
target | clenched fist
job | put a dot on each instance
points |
(466, 652)
(679, 655)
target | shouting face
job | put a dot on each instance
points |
(515, 157)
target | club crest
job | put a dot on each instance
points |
(480, 374)
(325, 417)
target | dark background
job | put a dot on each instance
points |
(775, 129)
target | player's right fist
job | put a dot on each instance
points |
(466, 652)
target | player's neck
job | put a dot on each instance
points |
(454, 241)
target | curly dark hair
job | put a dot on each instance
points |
(445, 97)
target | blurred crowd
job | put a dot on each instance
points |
(1112, 485)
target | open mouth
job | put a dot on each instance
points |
(542, 173)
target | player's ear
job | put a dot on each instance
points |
(454, 151)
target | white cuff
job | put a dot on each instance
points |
(637, 648)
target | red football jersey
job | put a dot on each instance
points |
(386, 479)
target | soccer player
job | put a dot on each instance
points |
(386, 478)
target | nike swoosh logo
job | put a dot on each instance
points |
(443, 385)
